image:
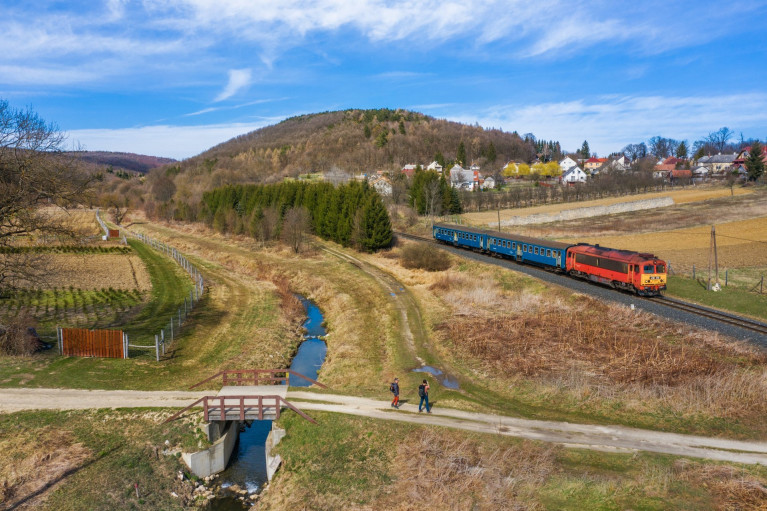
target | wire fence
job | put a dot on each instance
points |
(744, 279)
(105, 228)
(173, 327)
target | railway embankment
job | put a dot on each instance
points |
(587, 212)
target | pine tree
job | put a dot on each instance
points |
(585, 151)
(376, 224)
(402, 128)
(755, 162)
(491, 154)
(461, 154)
(681, 150)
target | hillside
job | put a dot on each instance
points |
(124, 161)
(355, 141)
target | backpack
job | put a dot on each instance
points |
(421, 390)
(391, 388)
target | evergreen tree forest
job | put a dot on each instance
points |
(351, 214)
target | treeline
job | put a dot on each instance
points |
(350, 214)
(599, 186)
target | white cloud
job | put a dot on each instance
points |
(163, 140)
(609, 123)
(22, 75)
(238, 79)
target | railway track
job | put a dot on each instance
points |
(724, 317)
(672, 303)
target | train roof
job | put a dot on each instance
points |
(628, 256)
(506, 236)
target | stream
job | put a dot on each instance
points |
(245, 475)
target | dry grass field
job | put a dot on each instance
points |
(680, 196)
(97, 271)
(740, 244)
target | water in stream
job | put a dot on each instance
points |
(247, 468)
(311, 352)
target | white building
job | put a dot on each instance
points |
(567, 164)
(574, 175)
(435, 166)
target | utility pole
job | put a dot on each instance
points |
(713, 256)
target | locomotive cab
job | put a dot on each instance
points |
(650, 277)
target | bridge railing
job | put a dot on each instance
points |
(241, 407)
(257, 377)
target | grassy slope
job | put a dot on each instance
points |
(733, 299)
(95, 457)
(231, 314)
(358, 463)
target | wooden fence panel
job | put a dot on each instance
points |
(81, 342)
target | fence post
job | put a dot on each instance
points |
(162, 340)
(761, 285)
(725, 277)
(179, 318)
(60, 340)
(693, 272)
(171, 329)
(157, 347)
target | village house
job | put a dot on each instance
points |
(409, 169)
(593, 164)
(380, 184)
(466, 179)
(435, 166)
(567, 163)
(488, 183)
(718, 163)
(574, 175)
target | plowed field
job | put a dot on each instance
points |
(740, 244)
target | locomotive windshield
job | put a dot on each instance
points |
(660, 268)
(648, 268)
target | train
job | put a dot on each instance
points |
(635, 272)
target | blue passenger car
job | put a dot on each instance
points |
(524, 249)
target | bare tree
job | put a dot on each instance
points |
(118, 207)
(433, 196)
(36, 178)
(720, 138)
(268, 224)
(295, 228)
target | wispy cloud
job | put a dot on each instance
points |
(238, 79)
(233, 107)
(611, 122)
(153, 140)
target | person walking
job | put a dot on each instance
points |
(394, 388)
(423, 393)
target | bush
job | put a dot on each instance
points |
(16, 338)
(424, 256)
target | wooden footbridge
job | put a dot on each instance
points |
(247, 395)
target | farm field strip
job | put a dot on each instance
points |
(680, 197)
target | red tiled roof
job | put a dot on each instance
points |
(665, 166)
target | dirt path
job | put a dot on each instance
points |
(399, 296)
(601, 438)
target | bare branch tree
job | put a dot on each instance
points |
(36, 176)
(295, 228)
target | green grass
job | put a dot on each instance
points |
(170, 285)
(730, 298)
(81, 308)
(121, 447)
(352, 461)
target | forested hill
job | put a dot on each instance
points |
(124, 161)
(355, 141)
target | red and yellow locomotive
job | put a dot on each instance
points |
(643, 274)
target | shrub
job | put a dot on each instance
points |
(16, 339)
(424, 256)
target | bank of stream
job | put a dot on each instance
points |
(245, 476)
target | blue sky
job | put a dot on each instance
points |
(175, 77)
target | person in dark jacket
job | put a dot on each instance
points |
(394, 388)
(423, 393)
